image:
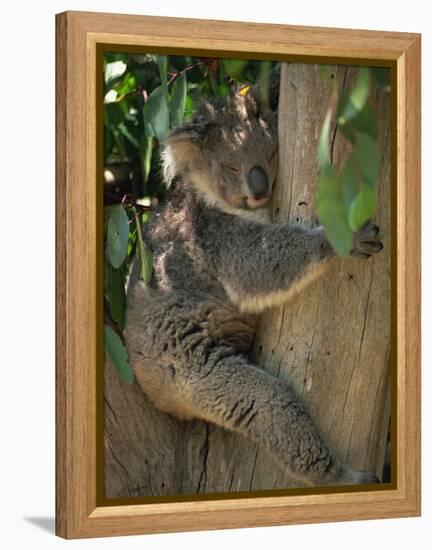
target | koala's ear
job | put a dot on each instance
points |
(182, 134)
(181, 150)
(194, 131)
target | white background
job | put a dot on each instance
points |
(27, 271)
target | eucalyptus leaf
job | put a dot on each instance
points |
(113, 114)
(331, 211)
(234, 68)
(350, 183)
(117, 297)
(145, 255)
(110, 57)
(118, 355)
(264, 82)
(366, 158)
(128, 84)
(118, 236)
(222, 89)
(353, 102)
(365, 122)
(360, 91)
(382, 76)
(146, 259)
(163, 69)
(324, 72)
(189, 107)
(146, 150)
(156, 115)
(324, 146)
(178, 100)
(362, 208)
(123, 129)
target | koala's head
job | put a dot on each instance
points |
(228, 152)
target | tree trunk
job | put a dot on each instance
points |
(331, 343)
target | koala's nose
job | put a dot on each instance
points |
(258, 182)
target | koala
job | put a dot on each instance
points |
(218, 262)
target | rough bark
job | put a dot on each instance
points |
(332, 342)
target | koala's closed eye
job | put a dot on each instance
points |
(234, 169)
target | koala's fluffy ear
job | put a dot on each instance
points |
(194, 131)
(182, 148)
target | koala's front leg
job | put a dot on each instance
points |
(262, 265)
(233, 393)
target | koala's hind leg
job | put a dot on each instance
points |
(232, 392)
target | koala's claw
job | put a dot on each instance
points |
(366, 242)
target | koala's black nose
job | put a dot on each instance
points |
(258, 182)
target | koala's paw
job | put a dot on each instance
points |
(359, 477)
(366, 242)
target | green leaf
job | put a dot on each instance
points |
(117, 296)
(349, 184)
(234, 68)
(118, 355)
(323, 145)
(366, 159)
(145, 256)
(324, 72)
(123, 129)
(109, 57)
(351, 104)
(222, 89)
(382, 76)
(362, 208)
(189, 107)
(146, 150)
(146, 216)
(178, 100)
(113, 114)
(108, 141)
(360, 91)
(118, 236)
(212, 82)
(107, 273)
(264, 82)
(156, 115)
(365, 122)
(127, 85)
(163, 69)
(331, 212)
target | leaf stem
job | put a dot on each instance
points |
(115, 199)
(143, 251)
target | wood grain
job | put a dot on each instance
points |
(332, 342)
(62, 449)
(78, 34)
(244, 37)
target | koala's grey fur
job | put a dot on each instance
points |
(218, 262)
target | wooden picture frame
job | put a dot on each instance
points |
(80, 36)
